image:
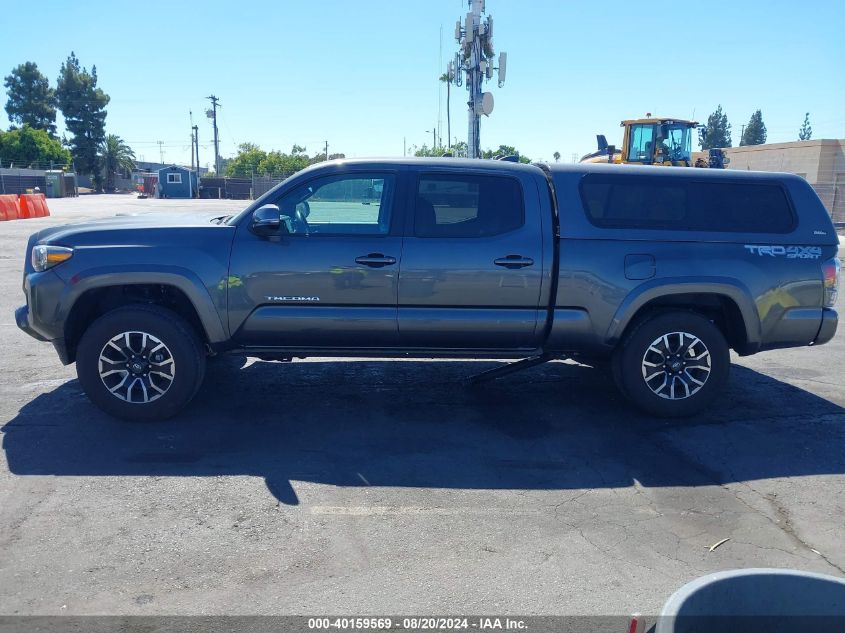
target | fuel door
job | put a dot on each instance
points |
(639, 266)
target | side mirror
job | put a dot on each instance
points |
(266, 220)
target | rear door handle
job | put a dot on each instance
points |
(375, 260)
(514, 261)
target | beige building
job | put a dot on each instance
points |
(821, 162)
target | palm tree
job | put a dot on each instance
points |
(557, 157)
(445, 79)
(117, 155)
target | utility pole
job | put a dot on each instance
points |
(191, 114)
(196, 143)
(160, 152)
(327, 149)
(212, 114)
(475, 58)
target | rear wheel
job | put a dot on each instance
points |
(673, 364)
(140, 363)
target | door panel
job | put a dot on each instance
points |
(472, 267)
(321, 282)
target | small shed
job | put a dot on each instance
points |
(177, 182)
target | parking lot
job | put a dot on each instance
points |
(367, 486)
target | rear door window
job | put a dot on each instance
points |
(467, 206)
(686, 205)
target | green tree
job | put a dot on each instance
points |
(425, 150)
(717, 132)
(247, 161)
(557, 157)
(459, 149)
(251, 160)
(755, 131)
(27, 146)
(83, 106)
(806, 131)
(280, 163)
(504, 150)
(116, 155)
(31, 99)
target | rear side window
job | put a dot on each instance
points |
(681, 205)
(467, 206)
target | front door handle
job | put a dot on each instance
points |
(375, 260)
(514, 261)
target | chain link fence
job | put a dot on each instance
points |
(263, 184)
(17, 181)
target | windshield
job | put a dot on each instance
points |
(677, 141)
(652, 142)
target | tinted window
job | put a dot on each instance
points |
(631, 202)
(467, 206)
(350, 204)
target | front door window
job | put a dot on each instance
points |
(340, 205)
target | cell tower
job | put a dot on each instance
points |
(475, 58)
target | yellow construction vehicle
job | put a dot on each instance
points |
(655, 141)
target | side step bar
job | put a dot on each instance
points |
(511, 368)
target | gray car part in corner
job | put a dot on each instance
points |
(757, 599)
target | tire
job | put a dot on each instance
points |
(152, 374)
(672, 364)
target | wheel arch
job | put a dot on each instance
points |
(725, 301)
(96, 295)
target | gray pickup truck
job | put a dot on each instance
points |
(659, 271)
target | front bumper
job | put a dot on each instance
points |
(830, 320)
(22, 319)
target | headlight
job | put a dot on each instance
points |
(44, 256)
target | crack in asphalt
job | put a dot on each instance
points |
(784, 526)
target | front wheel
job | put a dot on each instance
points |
(140, 362)
(672, 364)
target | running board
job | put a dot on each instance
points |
(511, 368)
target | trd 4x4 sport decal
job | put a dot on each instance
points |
(790, 252)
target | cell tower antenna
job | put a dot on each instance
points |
(476, 59)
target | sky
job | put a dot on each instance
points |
(363, 74)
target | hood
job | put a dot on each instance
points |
(141, 222)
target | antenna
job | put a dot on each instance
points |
(475, 59)
(503, 68)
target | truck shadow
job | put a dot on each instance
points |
(414, 424)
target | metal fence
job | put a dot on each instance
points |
(229, 188)
(240, 188)
(17, 181)
(263, 184)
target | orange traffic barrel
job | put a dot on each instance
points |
(9, 209)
